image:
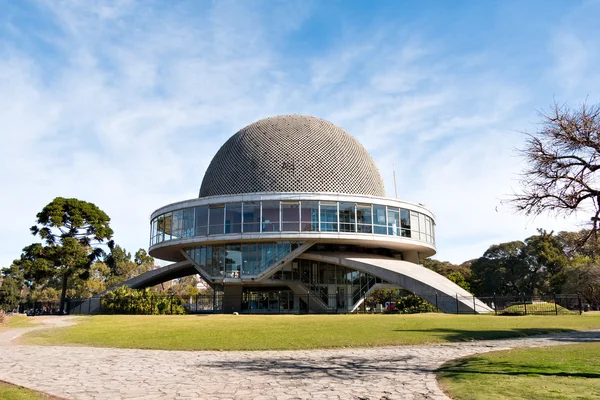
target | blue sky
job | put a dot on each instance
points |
(124, 103)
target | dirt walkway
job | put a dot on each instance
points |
(402, 372)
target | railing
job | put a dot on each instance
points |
(289, 302)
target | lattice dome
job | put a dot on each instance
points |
(292, 153)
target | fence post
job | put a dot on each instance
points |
(171, 302)
(457, 304)
(474, 308)
(90, 306)
(555, 305)
(579, 303)
(278, 302)
(524, 304)
(436, 303)
(308, 302)
(495, 305)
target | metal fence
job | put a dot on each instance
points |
(289, 303)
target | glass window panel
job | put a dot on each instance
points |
(215, 216)
(347, 217)
(154, 232)
(290, 216)
(270, 216)
(177, 224)
(201, 217)
(188, 222)
(252, 216)
(414, 224)
(393, 221)
(233, 218)
(329, 217)
(422, 228)
(168, 219)
(405, 218)
(209, 261)
(309, 216)
(249, 259)
(379, 220)
(364, 218)
(233, 261)
(218, 260)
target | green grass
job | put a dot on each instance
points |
(253, 332)
(558, 372)
(533, 308)
(12, 392)
(18, 321)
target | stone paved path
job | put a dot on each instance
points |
(402, 372)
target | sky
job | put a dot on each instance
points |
(124, 103)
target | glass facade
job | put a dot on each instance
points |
(291, 216)
(235, 260)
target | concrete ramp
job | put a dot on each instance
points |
(421, 281)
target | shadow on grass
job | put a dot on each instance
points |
(482, 366)
(343, 368)
(463, 335)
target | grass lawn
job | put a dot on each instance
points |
(558, 372)
(254, 332)
(12, 392)
(18, 321)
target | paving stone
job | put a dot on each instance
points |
(402, 372)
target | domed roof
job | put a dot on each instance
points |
(292, 153)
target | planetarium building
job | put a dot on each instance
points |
(292, 217)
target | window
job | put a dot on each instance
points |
(347, 217)
(405, 222)
(379, 220)
(233, 261)
(188, 222)
(233, 218)
(309, 216)
(393, 221)
(168, 219)
(252, 216)
(329, 217)
(153, 232)
(290, 216)
(215, 216)
(414, 224)
(364, 218)
(250, 261)
(177, 224)
(201, 220)
(270, 216)
(160, 228)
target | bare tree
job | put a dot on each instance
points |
(563, 158)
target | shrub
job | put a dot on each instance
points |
(3, 318)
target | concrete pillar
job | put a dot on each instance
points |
(232, 298)
(411, 256)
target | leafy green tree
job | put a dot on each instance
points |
(10, 293)
(72, 231)
(501, 270)
(584, 278)
(122, 267)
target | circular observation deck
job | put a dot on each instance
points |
(367, 221)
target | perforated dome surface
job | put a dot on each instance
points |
(292, 153)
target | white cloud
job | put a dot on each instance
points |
(124, 104)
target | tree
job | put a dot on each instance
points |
(10, 293)
(501, 270)
(71, 230)
(564, 160)
(122, 267)
(584, 278)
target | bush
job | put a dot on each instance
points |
(3, 318)
(124, 300)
